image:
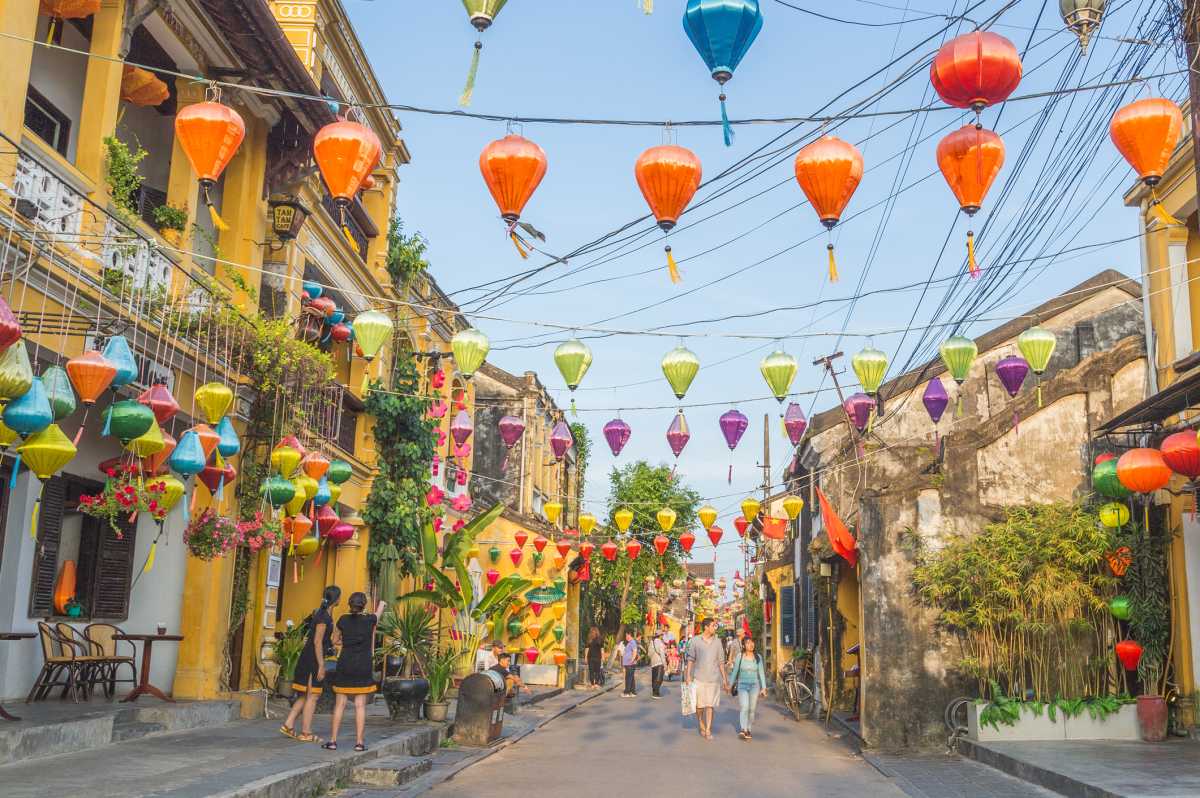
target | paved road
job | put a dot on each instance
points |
(641, 747)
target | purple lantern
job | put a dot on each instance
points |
(678, 434)
(617, 433)
(1012, 371)
(461, 428)
(561, 439)
(511, 430)
(733, 426)
(935, 399)
(795, 423)
(859, 407)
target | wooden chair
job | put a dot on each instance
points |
(59, 667)
(101, 637)
(90, 666)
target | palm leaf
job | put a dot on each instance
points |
(429, 545)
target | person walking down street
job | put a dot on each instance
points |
(308, 682)
(733, 647)
(706, 666)
(749, 681)
(629, 658)
(658, 664)
(355, 673)
(595, 658)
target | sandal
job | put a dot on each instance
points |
(330, 746)
(360, 747)
(287, 731)
(308, 738)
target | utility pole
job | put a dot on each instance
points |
(827, 363)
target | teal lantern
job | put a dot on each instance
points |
(129, 419)
(59, 391)
(515, 628)
(229, 444)
(117, 352)
(187, 460)
(31, 412)
(722, 32)
(494, 554)
(323, 495)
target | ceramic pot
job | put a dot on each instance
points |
(404, 698)
(1152, 717)
(436, 712)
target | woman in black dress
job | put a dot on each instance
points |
(309, 679)
(595, 655)
(355, 675)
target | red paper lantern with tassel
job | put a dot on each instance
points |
(714, 535)
(686, 541)
(609, 550)
(633, 548)
(976, 70)
(661, 544)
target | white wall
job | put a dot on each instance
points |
(59, 76)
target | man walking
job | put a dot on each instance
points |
(629, 658)
(706, 665)
(733, 648)
(658, 664)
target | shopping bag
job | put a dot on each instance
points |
(687, 698)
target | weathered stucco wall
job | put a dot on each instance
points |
(908, 501)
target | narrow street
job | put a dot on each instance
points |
(616, 745)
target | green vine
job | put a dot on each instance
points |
(583, 451)
(168, 217)
(405, 254)
(121, 173)
(1146, 585)
(395, 510)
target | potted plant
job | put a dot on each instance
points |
(171, 222)
(285, 652)
(439, 667)
(407, 634)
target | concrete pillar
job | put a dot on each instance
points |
(17, 18)
(101, 90)
(244, 209)
(204, 623)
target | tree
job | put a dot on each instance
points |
(644, 490)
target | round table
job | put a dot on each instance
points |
(144, 687)
(14, 636)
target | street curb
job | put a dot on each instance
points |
(1033, 774)
(441, 778)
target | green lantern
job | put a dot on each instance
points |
(483, 12)
(779, 370)
(1037, 346)
(1104, 480)
(59, 391)
(1121, 608)
(515, 628)
(129, 419)
(680, 366)
(278, 491)
(339, 471)
(958, 353)
(372, 329)
(16, 373)
(537, 559)
(470, 347)
(559, 633)
(870, 365)
(494, 554)
(573, 359)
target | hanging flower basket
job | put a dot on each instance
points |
(121, 500)
(210, 536)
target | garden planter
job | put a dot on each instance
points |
(404, 698)
(1152, 718)
(1121, 725)
(436, 712)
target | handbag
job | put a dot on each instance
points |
(737, 669)
(687, 698)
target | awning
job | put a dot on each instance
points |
(1170, 401)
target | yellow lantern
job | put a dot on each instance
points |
(150, 443)
(666, 518)
(558, 611)
(587, 522)
(553, 511)
(172, 492)
(214, 399)
(623, 518)
(285, 460)
(335, 493)
(750, 508)
(306, 486)
(296, 505)
(1114, 515)
(708, 516)
(8, 436)
(307, 546)
(473, 553)
(792, 505)
(45, 452)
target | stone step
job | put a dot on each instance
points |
(391, 771)
(134, 729)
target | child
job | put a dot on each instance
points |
(354, 675)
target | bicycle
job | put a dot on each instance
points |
(797, 695)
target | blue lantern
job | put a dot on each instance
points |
(229, 444)
(323, 494)
(722, 31)
(188, 458)
(311, 289)
(337, 316)
(30, 413)
(118, 353)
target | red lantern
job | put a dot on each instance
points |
(714, 535)
(633, 548)
(563, 547)
(327, 519)
(661, 544)
(520, 536)
(1130, 654)
(531, 655)
(515, 555)
(539, 543)
(976, 70)
(585, 550)
(321, 307)
(1104, 458)
(741, 524)
(1181, 452)
(215, 478)
(536, 608)
(668, 176)
(493, 576)
(609, 550)
(159, 399)
(340, 332)
(970, 159)
(1146, 132)
(209, 135)
(1143, 470)
(829, 171)
(10, 328)
(686, 541)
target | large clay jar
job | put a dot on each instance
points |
(1152, 718)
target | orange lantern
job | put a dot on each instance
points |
(210, 134)
(209, 438)
(970, 159)
(976, 70)
(315, 465)
(1146, 132)
(1143, 470)
(668, 176)
(829, 171)
(141, 87)
(59, 10)
(346, 152)
(512, 167)
(297, 527)
(91, 373)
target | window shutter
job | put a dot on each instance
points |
(45, 558)
(114, 569)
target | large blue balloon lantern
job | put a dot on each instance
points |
(229, 443)
(26, 415)
(323, 495)
(187, 460)
(722, 32)
(117, 352)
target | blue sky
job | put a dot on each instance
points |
(568, 58)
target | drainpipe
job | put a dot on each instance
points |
(1151, 342)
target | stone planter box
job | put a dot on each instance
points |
(1122, 725)
(541, 675)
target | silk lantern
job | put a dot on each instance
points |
(1130, 654)
(214, 400)
(976, 70)
(228, 443)
(45, 452)
(1105, 481)
(470, 348)
(794, 423)
(1143, 470)
(59, 392)
(633, 548)
(680, 367)
(512, 168)
(1037, 347)
(1011, 371)
(686, 541)
(482, 13)
(617, 434)
(779, 370)
(750, 508)
(1082, 18)
(10, 328)
(666, 519)
(161, 402)
(209, 134)
(733, 425)
(587, 522)
(345, 152)
(511, 429)
(829, 171)
(668, 176)
(707, 515)
(870, 366)
(30, 412)
(970, 158)
(623, 518)
(722, 32)
(16, 372)
(573, 359)
(561, 439)
(1146, 133)
(661, 544)
(1114, 515)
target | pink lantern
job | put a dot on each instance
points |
(678, 434)
(461, 428)
(561, 440)
(493, 576)
(515, 555)
(617, 433)
(340, 533)
(733, 427)
(511, 429)
(794, 423)
(859, 407)
(1012, 371)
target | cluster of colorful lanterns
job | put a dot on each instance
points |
(304, 487)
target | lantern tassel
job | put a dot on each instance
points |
(972, 266)
(1039, 393)
(833, 270)
(150, 557)
(295, 571)
(726, 128)
(729, 479)
(220, 489)
(958, 405)
(50, 30)
(517, 243)
(292, 547)
(1160, 213)
(673, 267)
(320, 551)
(107, 423)
(574, 412)
(468, 91)
(217, 221)
(1016, 423)
(12, 480)
(33, 518)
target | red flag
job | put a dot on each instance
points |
(774, 528)
(840, 538)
